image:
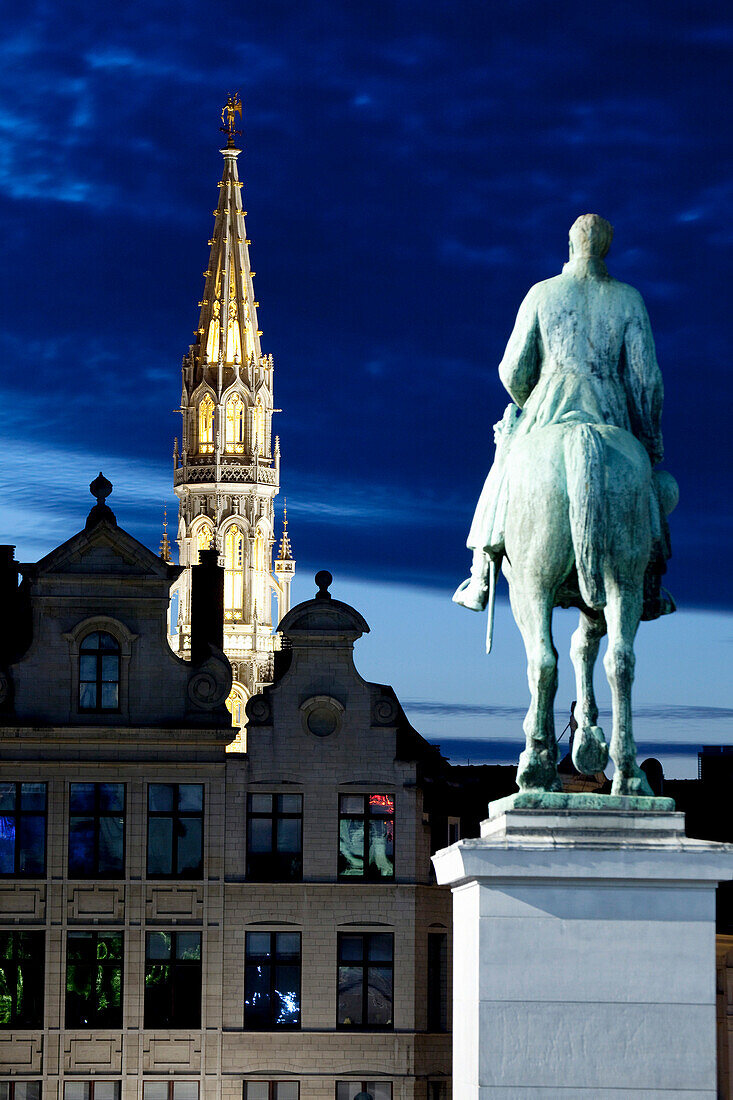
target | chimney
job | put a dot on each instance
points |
(207, 606)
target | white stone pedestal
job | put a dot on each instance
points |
(584, 956)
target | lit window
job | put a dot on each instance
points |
(374, 1090)
(22, 956)
(203, 540)
(233, 574)
(366, 836)
(275, 837)
(92, 1090)
(175, 830)
(212, 341)
(173, 979)
(271, 1090)
(206, 425)
(99, 672)
(235, 705)
(22, 828)
(97, 830)
(272, 980)
(20, 1090)
(94, 979)
(170, 1090)
(365, 980)
(259, 435)
(234, 425)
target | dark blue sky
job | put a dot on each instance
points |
(410, 170)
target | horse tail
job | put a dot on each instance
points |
(584, 467)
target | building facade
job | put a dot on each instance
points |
(179, 921)
(227, 471)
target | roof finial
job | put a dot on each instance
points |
(100, 489)
(233, 107)
(165, 546)
(285, 553)
(323, 580)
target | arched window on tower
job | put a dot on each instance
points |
(206, 425)
(212, 342)
(203, 540)
(235, 705)
(260, 578)
(233, 574)
(259, 437)
(234, 425)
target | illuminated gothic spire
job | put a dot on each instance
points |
(285, 552)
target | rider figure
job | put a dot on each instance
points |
(581, 352)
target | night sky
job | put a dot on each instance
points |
(410, 169)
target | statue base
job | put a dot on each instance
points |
(584, 953)
(562, 800)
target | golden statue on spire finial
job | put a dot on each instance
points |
(233, 107)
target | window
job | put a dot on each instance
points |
(22, 956)
(437, 1090)
(437, 981)
(234, 428)
(20, 1090)
(454, 830)
(373, 1090)
(271, 1090)
(206, 425)
(99, 672)
(94, 979)
(365, 980)
(170, 1090)
(203, 540)
(233, 573)
(96, 830)
(92, 1090)
(366, 836)
(173, 979)
(272, 980)
(235, 706)
(175, 830)
(259, 442)
(275, 837)
(22, 828)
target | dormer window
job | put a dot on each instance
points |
(99, 672)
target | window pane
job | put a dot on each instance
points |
(350, 996)
(160, 846)
(257, 995)
(33, 797)
(379, 1090)
(381, 804)
(88, 667)
(380, 947)
(379, 995)
(158, 945)
(106, 1090)
(258, 945)
(351, 846)
(287, 946)
(351, 948)
(287, 1090)
(109, 696)
(111, 845)
(185, 1090)
(32, 844)
(81, 800)
(7, 798)
(111, 798)
(7, 846)
(81, 846)
(187, 998)
(160, 797)
(352, 803)
(290, 804)
(91, 641)
(190, 797)
(287, 996)
(110, 667)
(155, 1090)
(260, 834)
(260, 803)
(87, 696)
(347, 1090)
(27, 1090)
(256, 1090)
(288, 834)
(106, 641)
(188, 945)
(190, 845)
(381, 854)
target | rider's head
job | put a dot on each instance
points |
(590, 235)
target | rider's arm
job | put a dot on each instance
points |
(643, 380)
(520, 367)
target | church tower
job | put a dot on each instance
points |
(227, 472)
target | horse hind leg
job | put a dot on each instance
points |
(623, 612)
(590, 751)
(537, 768)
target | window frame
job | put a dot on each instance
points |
(12, 1083)
(37, 962)
(175, 964)
(98, 966)
(171, 1082)
(97, 816)
(366, 818)
(274, 816)
(99, 654)
(18, 814)
(176, 816)
(125, 639)
(271, 1024)
(363, 964)
(95, 1081)
(272, 1087)
(363, 1086)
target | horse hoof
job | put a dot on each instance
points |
(537, 771)
(634, 784)
(472, 594)
(590, 751)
